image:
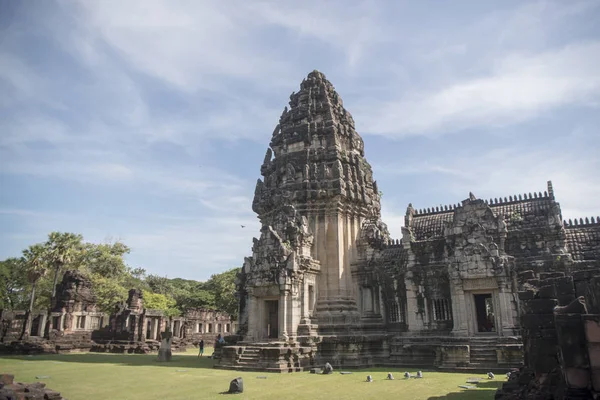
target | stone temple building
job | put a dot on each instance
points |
(326, 283)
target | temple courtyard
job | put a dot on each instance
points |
(128, 377)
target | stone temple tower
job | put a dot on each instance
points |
(316, 198)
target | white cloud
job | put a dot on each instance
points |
(503, 172)
(520, 87)
(186, 45)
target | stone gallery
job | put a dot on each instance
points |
(76, 324)
(326, 283)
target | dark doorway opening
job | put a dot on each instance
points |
(484, 309)
(149, 329)
(35, 326)
(272, 318)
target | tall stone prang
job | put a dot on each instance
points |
(326, 284)
(316, 196)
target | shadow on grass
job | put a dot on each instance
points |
(137, 360)
(489, 389)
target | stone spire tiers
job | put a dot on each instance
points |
(316, 196)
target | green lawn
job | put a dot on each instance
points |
(89, 376)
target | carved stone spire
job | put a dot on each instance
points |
(319, 156)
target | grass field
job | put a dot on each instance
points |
(89, 376)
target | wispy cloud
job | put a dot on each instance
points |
(520, 87)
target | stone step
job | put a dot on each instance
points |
(483, 351)
(483, 362)
(249, 359)
(487, 356)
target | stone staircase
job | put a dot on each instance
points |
(250, 358)
(483, 352)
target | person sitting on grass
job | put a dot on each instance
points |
(201, 347)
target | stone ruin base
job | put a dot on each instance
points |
(268, 356)
(485, 354)
(10, 390)
(37, 345)
(352, 351)
(476, 354)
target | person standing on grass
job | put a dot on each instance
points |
(201, 346)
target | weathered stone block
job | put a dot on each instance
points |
(540, 306)
(6, 379)
(592, 328)
(577, 377)
(526, 295)
(538, 321)
(571, 340)
(547, 292)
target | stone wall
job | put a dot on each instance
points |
(561, 335)
(207, 325)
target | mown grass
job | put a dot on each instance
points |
(89, 376)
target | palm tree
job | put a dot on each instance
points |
(63, 249)
(34, 259)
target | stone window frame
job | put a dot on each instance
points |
(80, 322)
(396, 311)
(440, 309)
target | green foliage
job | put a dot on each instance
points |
(109, 292)
(223, 286)
(14, 289)
(157, 301)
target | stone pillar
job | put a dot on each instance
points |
(506, 326)
(143, 328)
(414, 323)
(253, 316)
(283, 314)
(42, 324)
(295, 310)
(305, 299)
(460, 312)
(155, 325)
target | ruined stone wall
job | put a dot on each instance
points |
(12, 323)
(561, 338)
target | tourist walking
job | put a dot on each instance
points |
(201, 346)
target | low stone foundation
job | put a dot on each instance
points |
(269, 357)
(360, 351)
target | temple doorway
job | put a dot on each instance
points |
(272, 320)
(484, 309)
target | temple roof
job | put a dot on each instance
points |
(583, 239)
(518, 211)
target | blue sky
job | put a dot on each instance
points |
(147, 121)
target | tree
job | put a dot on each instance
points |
(63, 249)
(105, 266)
(36, 266)
(157, 301)
(13, 284)
(159, 284)
(223, 287)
